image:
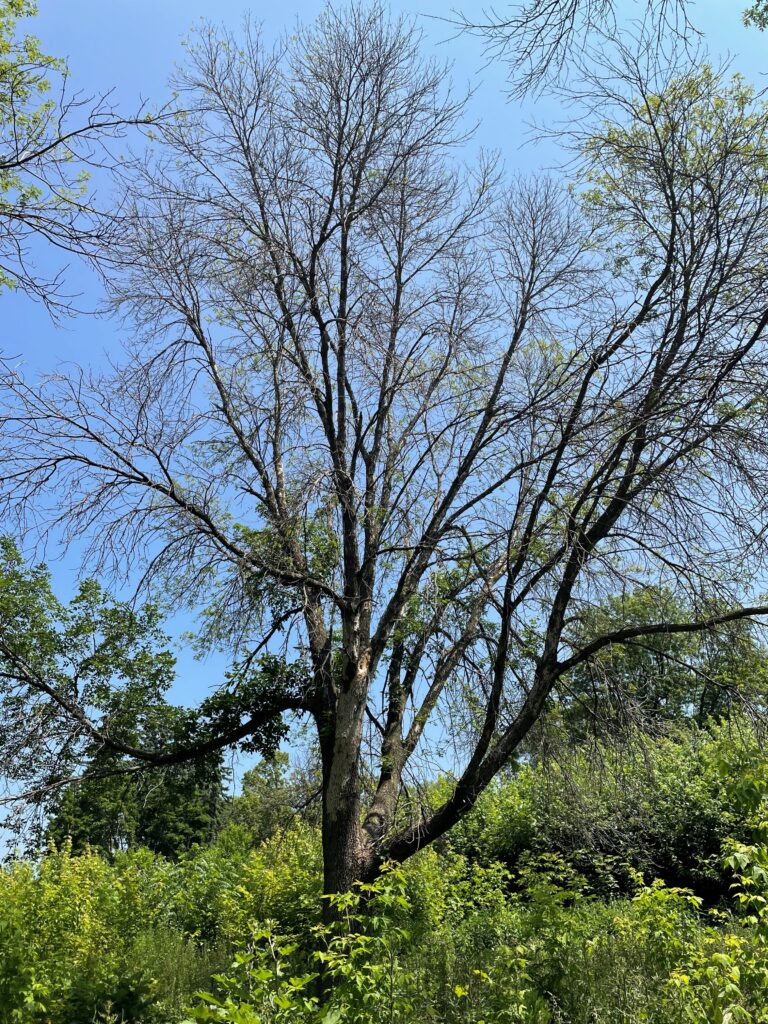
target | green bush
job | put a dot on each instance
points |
(558, 954)
(663, 806)
(80, 933)
(220, 890)
(551, 936)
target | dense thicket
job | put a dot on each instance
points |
(534, 910)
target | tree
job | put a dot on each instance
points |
(395, 425)
(50, 139)
(272, 797)
(540, 40)
(537, 39)
(115, 661)
(168, 811)
(757, 14)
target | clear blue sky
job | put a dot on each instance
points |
(132, 47)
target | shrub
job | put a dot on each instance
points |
(79, 934)
(663, 806)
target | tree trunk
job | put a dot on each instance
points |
(347, 854)
(343, 859)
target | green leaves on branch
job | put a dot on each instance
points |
(757, 15)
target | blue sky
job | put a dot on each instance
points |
(132, 46)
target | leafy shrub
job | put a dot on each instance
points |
(219, 890)
(80, 933)
(554, 937)
(568, 957)
(663, 806)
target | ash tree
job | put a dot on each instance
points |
(395, 424)
(539, 40)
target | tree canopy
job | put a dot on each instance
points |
(168, 811)
(661, 678)
(540, 41)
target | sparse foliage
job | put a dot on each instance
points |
(538, 39)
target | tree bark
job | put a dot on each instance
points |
(347, 857)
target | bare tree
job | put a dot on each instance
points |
(538, 39)
(397, 425)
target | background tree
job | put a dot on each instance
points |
(273, 795)
(113, 660)
(656, 680)
(50, 140)
(168, 811)
(396, 425)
